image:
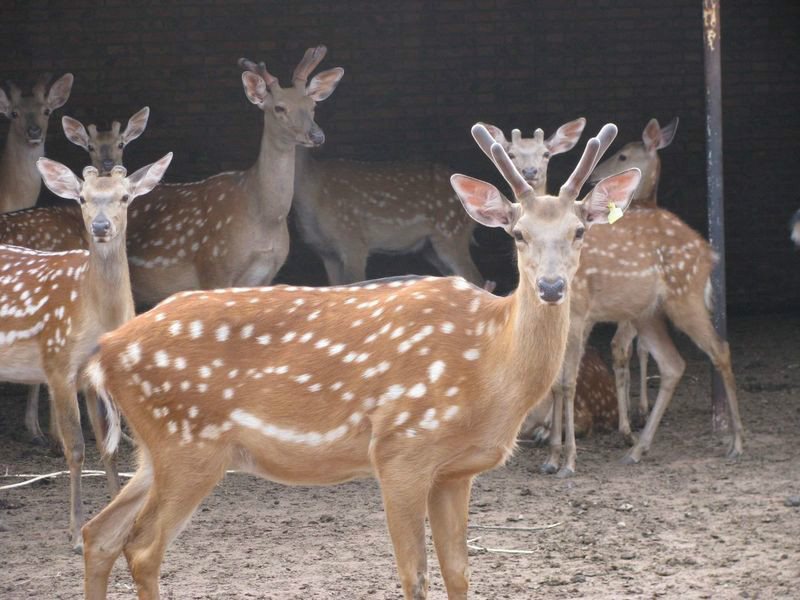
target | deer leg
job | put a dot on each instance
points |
(448, 507)
(32, 415)
(64, 396)
(177, 490)
(354, 266)
(550, 466)
(644, 403)
(451, 255)
(670, 366)
(621, 353)
(693, 319)
(334, 269)
(260, 269)
(104, 535)
(99, 426)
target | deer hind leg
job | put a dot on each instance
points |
(693, 319)
(175, 493)
(354, 263)
(451, 255)
(670, 365)
(65, 399)
(621, 345)
(448, 508)
(644, 402)
(32, 415)
(334, 268)
(104, 535)
(100, 426)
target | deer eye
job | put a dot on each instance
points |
(90, 148)
(14, 114)
(280, 109)
(518, 235)
(546, 155)
(82, 200)
(120, 145)
(125, 199)
(47, 112)
(623, 158)
(512, 156)
(579, 233)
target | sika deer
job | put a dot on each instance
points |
(56, 305)
(648, 265)
(20, 181)
(421, 382)
(105, 148)
(230, 229)
(347, 210)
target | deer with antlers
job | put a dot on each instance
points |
(595, 393)
(20, 181)
(230, 229)
(347, 210)
(420, 382)
(55, 305)
(60, 228)
(648, 268)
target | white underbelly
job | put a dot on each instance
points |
(21, 363)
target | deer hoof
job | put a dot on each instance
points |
(565, 472)
(629, 459)
(548, 468)
(40, 440)
(733, 453)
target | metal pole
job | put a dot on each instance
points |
(716, 205)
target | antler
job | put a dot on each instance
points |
(259, 69)
(40, 88)
(311, 59)
(500, 159)
(595, 148)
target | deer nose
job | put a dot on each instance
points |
(101, 226)
(107, 164)
(34, 132)
(530, 172)
(316, 136)
(551, 290)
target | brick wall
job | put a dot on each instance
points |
(420, 72)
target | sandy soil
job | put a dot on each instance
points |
(686, 523)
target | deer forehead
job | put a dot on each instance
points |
(101, 138)
(528, 147)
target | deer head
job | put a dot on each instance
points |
(104, 200)
(640, 155)
(30, 115)
(289, 112)
(531, 156)
(105, 148)
(548, 230)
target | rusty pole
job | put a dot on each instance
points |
(716, 204)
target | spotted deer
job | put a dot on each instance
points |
(55, 305)
(105, 148)
(20, 181)
(645, 157)
(347, 210)
(649, 267)
(531, 156)
(420, 382)
(595, 397)
(230, 229)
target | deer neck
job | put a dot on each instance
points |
(530, 346)
(270, 182)
(19, 179)
(107, 285)
(647, 192)
(305, 173)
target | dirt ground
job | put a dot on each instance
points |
(686, 523)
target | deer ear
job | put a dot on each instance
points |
(497, 134)
(566, 136)
(146, 178)
(668, 133)
(610, 194)
(75, 132)
(255, 88)
(5, 104)
(324, 83)
(136, 125)
(59, 92)
(59, 179)
(484, 202)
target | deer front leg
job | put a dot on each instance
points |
(64, 397)
(644, 404)
(550, 466)
(260, 269)
(621, 352)
(448, 508)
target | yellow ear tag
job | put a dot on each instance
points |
(614, 213)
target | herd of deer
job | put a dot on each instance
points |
(421, 382)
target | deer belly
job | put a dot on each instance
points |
(408, 236)
(20, 363)
(154, 284)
